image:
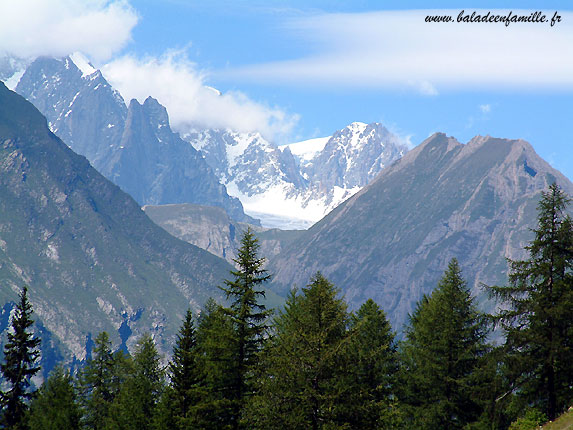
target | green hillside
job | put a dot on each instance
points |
(91, 257)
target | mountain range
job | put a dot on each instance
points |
(385, 220)
(295, 185)
(133, 145)
(393, 240)
(92, 259)
(289, 186)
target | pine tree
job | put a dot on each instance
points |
(185, 373)
(217, 360)
(148, 381)
(134, 406)
(20, 357)
(373, 367)
(536, 315)
(444, 346)
(97, 386)
(248, 316)
(55, 407)
(302, 385)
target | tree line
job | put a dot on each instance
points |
(315, 365)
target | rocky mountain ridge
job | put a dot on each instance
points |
(92, 259)
(122, 142)
(393, 239)
(279, 185)
(286, 190)
(210, 228)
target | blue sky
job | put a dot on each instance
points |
(222, 35)
(302, 69)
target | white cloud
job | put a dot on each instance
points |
(177, 84)
(485, 108)
(398, 49)
(99, 28)
(406, 139)
(426, 88)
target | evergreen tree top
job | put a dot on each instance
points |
(450, 309)
(245, 289)
(445, 341)
(538, 301)
(250, 265)
(21, 351)
(21, 354)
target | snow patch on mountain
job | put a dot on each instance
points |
(11, 70)
(83, 64)
(307, 149)
(295, 185)
(13, 80)
(280, 201)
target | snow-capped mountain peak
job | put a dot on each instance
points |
(356, 127)
(354, 155)
(295, 185)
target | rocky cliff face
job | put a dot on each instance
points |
(156, 166)
(207, 227)
(134, 147)
(81, 107)
(210, 228)
(92, 259)
(393, 240)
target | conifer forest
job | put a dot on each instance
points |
(314, 364)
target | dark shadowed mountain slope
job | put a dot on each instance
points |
(393, 240)
(92, 258)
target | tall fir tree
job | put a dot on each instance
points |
(98, 384)
(185, 374)
(149, 376)
(373, 368)
(538, 304)
(301, 385)
(218, 363)
(21, 354)
(55, 406)
(444, 346)
(134, 406)
(248, 315)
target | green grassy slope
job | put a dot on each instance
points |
(564, 422)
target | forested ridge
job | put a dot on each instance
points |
(316, 365)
